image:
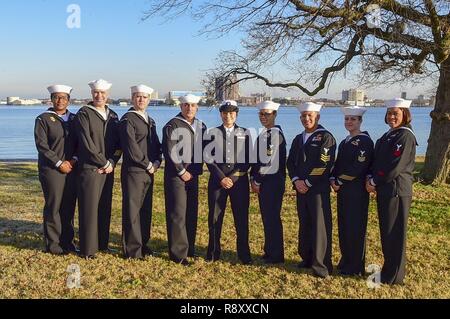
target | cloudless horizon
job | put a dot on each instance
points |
(38, 49)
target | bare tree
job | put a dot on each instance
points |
(388, 41)
(209, 84)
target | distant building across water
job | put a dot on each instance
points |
(226, 88)
(15, 100)
(354, 97)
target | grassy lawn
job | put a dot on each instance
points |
(27, 272)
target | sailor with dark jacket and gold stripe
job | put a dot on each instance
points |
(392, 179)
(228, 160)
(183, 145)
(99, 152)
(309, 163)
(348, 179)
(268, 177)
(56, 142)
(142, 156)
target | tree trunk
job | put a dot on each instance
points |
(437, 161)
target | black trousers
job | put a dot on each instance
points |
(393, 218)
(181, 201)
(94, 205)
(137, 200)
(314, 212)
(270, 203)
(352, 212)
(60, 196)
(217, 201)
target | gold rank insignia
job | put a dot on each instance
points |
(362, 157)
(52, 119)
(325, 157)
(347, 178)
(356, 143)
(318, 171)
(118, 153)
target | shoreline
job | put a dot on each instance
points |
(18, 161)
(419, 158)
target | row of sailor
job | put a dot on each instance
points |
(78, 154)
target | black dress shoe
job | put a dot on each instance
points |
(320, 275)
(60, 253)
(184, 262)
(273, 261)
(57, 252)
(73, 251)
(147, 251)
(344, 272)
(247, 262)
(109, 251)
(303, 264)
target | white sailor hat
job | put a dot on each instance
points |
(229, 106)
(58, 88)
(268, 105)
(309, 107)
(353, 110)
(100, 85)
(190, 99)
(141, 88)
(398, 102)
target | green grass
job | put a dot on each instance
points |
(27, 272)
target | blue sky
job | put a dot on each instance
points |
(37, 49)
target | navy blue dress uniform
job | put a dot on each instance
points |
(181, 198)
(99, 147)
(311, 161)
(141, 151)
(392, 174)
(56, 143)
(233, 146)
(350, 171)
(269, 173)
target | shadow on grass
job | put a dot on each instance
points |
(27, 235)
(19, 170)
(160, 248)
(21, 234)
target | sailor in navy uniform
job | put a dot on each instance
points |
(268, 177)
(392, 178)
(56, 142)
(183, 145)
(229, 164)
(309, 163)
(348, 179)
(99, 151)
(142, 156)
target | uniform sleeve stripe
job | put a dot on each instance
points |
(347, 177)
(317, 172)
